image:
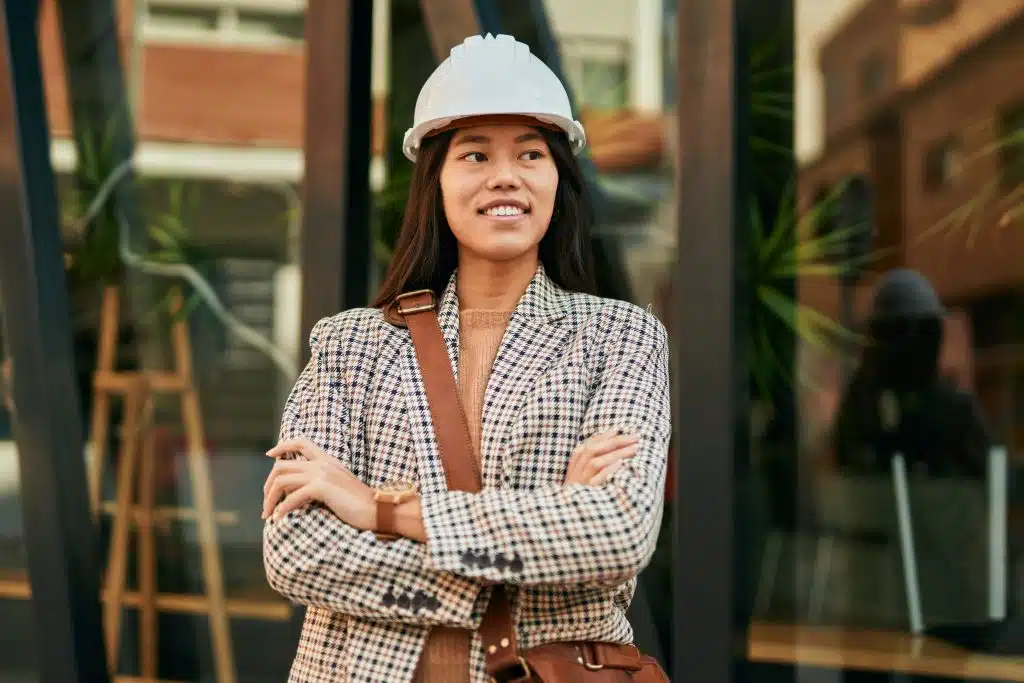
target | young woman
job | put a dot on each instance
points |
(566, 396)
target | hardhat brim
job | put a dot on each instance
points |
(414, 136)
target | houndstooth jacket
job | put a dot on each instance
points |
(569, 366)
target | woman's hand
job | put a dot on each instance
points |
(293, 484)
(598, 458)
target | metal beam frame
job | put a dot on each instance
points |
(60, 538)
(336, 243)
(102, 119)
(711, 617)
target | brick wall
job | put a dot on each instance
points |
(195, 93)
(923, 49)
(965, 101)
(871, 33)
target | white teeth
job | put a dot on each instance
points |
(504, 211)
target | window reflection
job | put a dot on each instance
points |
(894, 538)
(17, 644)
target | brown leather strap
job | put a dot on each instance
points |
(613, 655)
(385, 519)
(450, 428)
(416, 310)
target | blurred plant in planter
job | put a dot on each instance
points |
(94, 234)
(785, 244)
(781, 249)
(100, 252)
(1001, 198)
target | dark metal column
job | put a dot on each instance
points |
(711, 386)
(102, 124)
(60, 537)
(336, 247)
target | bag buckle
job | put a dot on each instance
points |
(525, 675)
(587, 664)
(415, 309)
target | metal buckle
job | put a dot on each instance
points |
(415, 309)
(527, 674)
(582, 659)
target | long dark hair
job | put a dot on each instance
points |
(426, 251)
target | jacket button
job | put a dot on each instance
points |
(389, 598)
(516, 565)
(419, 601)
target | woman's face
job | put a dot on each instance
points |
(498, 183)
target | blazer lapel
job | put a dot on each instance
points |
(430, 467)
(536, 333)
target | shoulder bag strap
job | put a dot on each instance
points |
(416, 311)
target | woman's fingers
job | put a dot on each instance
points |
(600, 462)
(295, 500)
(598, 452)
(607, 473)
(297, 445)
(584, 448)
(284, 467)
(281, 486)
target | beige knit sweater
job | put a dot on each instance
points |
(446, 656)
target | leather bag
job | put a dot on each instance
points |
(505, 662)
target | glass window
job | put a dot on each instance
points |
(1011, 145)
(598, 71)
(873, 75)
(211, 320)
(834, 94)
(886, 443)
(943, 162)
(17, 637)
(242, 22)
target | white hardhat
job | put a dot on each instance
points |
(487, 76)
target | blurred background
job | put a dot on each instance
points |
(880, 340)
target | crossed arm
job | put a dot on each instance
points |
(314, 558)
(319, 551)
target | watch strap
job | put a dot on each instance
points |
(386, 523)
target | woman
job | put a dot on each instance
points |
(566, 396)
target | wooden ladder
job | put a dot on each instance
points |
(138, 452)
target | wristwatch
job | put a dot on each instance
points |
(388, 497)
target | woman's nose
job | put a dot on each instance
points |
(503, 176)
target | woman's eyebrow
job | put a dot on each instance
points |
(471, 139)
(528, 137)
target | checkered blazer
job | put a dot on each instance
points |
(569, 366)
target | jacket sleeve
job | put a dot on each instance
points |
(313, 558)
(597, 536)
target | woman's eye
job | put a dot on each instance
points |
(532, 155)
(475, 157)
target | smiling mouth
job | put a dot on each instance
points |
(504, 211)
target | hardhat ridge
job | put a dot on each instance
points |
(491, 75)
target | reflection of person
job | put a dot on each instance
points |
(897, 402)
(572, 425)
